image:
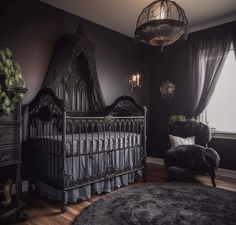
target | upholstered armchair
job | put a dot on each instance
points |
(193, 158)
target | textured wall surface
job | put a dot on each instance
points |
(30, 28)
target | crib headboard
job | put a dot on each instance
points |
(125, 106)
(46, 106)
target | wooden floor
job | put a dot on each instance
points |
(44, 212)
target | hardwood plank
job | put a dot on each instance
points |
(45, 212)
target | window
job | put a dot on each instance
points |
(221, 110)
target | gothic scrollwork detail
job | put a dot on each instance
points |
(125, 106)
(46, 107)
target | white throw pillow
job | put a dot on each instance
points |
(176, 141)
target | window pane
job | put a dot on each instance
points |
(221, 110)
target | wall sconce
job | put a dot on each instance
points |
(134, 82)
(167, 89)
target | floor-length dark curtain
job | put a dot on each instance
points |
(206, 56)
(234, 43)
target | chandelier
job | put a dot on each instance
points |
(161, 23)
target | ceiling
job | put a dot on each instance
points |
(121, 15)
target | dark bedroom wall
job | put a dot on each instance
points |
(173, 64)
(30, 28)
(227, 151)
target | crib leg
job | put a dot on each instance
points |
(63, 204)
(144, 171)
(63, 208)
(212, 174)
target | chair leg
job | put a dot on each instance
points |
(144, 170)
(212, 174)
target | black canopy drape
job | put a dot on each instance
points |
(67, 50)
(206, 56)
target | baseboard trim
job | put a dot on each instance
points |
(226, 174)
(155, 161)
(223, 173)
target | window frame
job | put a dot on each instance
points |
(203, 117)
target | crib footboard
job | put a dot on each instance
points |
(100, 148)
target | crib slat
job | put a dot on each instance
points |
(47, 151)
(86, 151)
(120, 140)
(115, 148)
(98, 150)
(124, 144)
(54, 154)
(92, 151)
(80, 142)
(104, 149)
(129, 145)
(72, 128)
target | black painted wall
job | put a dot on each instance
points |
(30, 28)
(168, 65)
(172, 64)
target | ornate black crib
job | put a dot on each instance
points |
(79, 146)
(76, 148)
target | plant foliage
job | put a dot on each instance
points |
(12, 85)
(174, 118)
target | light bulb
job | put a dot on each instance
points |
(162, 14)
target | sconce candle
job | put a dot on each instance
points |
(134, 82)
(138, 78)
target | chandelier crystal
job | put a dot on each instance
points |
(161, 23)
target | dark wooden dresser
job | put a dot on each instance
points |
(10, 160)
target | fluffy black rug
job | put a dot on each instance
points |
(166, 204)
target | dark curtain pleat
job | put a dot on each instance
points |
(234, 43)
(67, 50)
(207, 56)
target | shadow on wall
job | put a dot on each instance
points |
(226, 149)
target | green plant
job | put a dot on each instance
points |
(12, 85)
(175, 117)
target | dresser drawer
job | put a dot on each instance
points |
(9, 154)
(9, 135)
